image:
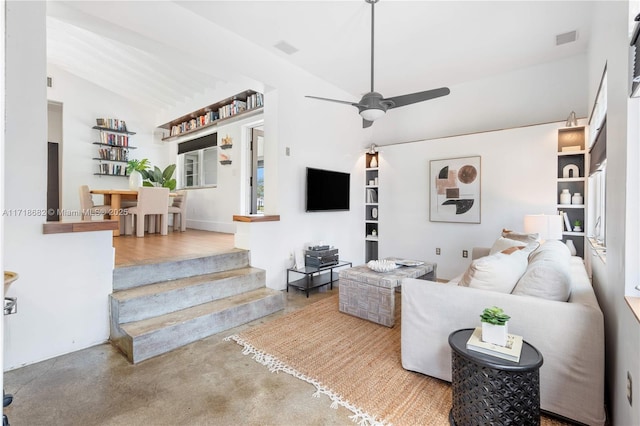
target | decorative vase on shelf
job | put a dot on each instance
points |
(565, 197)
(374, 213)
(576, 199)
(571, 247)
(496, 334)
(374, 162)
(135, 180)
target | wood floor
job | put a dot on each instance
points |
(131, 250)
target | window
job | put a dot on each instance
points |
(598, 167)
(198, 160)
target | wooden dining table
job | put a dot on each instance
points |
(114, 197)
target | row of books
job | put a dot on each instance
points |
(114, 154)
(194, 123)
(255, 101)
(567, 223)
(112, 169)
(510, 352)
(112, 123)
(114, 139)
(233, 108)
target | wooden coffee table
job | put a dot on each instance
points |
(367, 294)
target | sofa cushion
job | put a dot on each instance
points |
(548, 274)
(498, 272)
(503, 243)
(519, 236)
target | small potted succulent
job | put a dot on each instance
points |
(494, 326)
(577, 226)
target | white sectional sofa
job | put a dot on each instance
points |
(569, 334)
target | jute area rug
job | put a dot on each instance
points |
(355, 362)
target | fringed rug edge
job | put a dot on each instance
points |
(275, 365)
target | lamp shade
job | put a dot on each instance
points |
(372, 114)
(548, 226)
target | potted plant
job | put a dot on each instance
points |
(577, 226)
(494, 326)
(136, 170)
(163, 178)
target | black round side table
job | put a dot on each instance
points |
(492, 390)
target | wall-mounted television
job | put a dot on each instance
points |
(327, 190)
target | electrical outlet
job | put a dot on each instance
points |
(438, 251)
(465, 253)
(629, 389)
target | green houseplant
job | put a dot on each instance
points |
(136, 170)
(157, 177)
(494, 326)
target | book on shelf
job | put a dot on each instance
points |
(511, 352)
(567, 223)
(372, 195)
(112, 123)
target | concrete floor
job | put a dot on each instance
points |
(208, 382)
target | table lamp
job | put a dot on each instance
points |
(548, 226)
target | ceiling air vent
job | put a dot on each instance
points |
(285, 47)
(565, 38)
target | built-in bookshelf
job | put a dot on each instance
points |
(240, 105)
(113, 147)
(571, 184)
(371, 206)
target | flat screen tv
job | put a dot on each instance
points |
(327, 190)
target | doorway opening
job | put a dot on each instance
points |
(256, 170)
(54, 137)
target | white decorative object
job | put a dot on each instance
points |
(375, 181)
(382, 265)
(577, 228)
(565, 197)
(135, 180)
(374, 233)
(374, 213)
(571, 247)
(496, 334)
(374, 162)
(577, 198)
(570, 171)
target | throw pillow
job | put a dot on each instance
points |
(497, 272)
(518, 236)
(502, 244)
(548, 275)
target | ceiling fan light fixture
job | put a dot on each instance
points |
(372, 114)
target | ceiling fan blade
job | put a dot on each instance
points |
(355, 104)
(366, 123)
(413, 98)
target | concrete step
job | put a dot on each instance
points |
(161, 298)
(141, 340)
(126, 277)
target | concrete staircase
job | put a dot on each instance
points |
(158, 307)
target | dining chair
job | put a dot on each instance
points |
(151, 201)
(88, 207)
(179, 209)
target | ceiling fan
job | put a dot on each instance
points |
(373, 105)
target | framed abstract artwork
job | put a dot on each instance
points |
(454, 187)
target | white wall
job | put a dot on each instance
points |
(540, 94)
(518, 177)
(83, 102)
(611, 47)
(64, 278)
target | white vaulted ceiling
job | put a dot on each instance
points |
(146, 50)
